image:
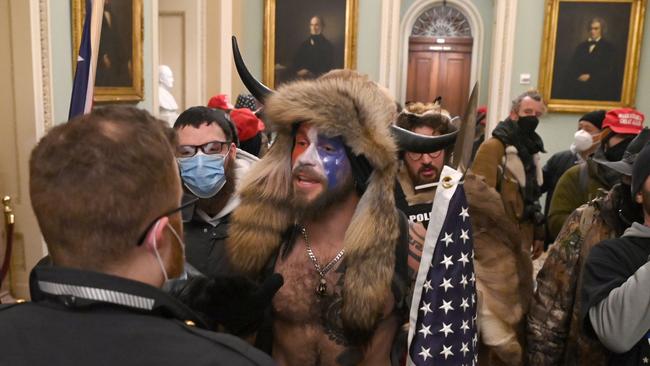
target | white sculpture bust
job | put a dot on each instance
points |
(167, 105)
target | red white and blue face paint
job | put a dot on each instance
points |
(318, 158)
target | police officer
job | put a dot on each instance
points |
(106, 192)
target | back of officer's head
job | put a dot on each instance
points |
(97, 181)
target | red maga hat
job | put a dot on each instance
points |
(624, 120)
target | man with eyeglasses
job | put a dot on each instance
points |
(210, 165)
(418, 169)
(106, 193)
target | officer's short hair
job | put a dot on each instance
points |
(97, 182)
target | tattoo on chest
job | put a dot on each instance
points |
(331, 306)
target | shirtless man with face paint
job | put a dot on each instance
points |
(306, 325)
(319, 209)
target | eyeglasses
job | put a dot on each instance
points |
(182, 206)
(417, 156)
(210, 148)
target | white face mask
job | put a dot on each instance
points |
(155, 249)
(582, 141)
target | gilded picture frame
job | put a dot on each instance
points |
(119, 66)
(594, 62)
(288, 25)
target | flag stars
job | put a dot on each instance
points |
(447, 239)
(446, 306)
(463, 213)
(464, 234)
(463, 281)
(425, 353)
(463, 258)
(464, 348)
(446, 351)
(426, 308)
(464, 304)
(645, 360)
(427, 286)
(447, 261)
(446, 283)
(446, 328)
(465, 326)
(425, 330)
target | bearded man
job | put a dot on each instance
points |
(210, 166)
(421, 168)
(319, 209)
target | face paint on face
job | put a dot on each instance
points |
(335, 162)
(319, 158)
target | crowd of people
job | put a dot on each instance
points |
(289, 229)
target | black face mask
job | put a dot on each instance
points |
(528, 124)
(615, 153)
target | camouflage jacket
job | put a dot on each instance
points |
(554, 331)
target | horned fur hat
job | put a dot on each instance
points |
(340, 103)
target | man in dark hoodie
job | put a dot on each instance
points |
(615, 296)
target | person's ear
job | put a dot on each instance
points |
(513, 115)
(233, 150)
(155, 235)
(638, 198)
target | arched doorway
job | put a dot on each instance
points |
(440, 58)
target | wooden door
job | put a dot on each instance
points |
(440, 67)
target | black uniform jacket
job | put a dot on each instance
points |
(88, 318)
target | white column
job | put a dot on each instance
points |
(388, 48)
(503, 43)
(225, 31)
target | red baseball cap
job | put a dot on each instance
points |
(248, 125)
(625, 120)
(220, 102)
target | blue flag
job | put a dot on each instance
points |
(442, 329)
(78, 103)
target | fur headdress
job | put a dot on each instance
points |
(340, 103)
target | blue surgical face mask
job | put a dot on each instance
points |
(203, 174)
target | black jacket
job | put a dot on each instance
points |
(553, 169)
(88, 318)
(205, 245)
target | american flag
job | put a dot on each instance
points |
(81, 100)
(443, 311)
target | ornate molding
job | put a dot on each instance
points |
(46, 64)
(442, 21)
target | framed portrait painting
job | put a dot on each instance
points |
(304, 39)
(590, 53)
(119, 64)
